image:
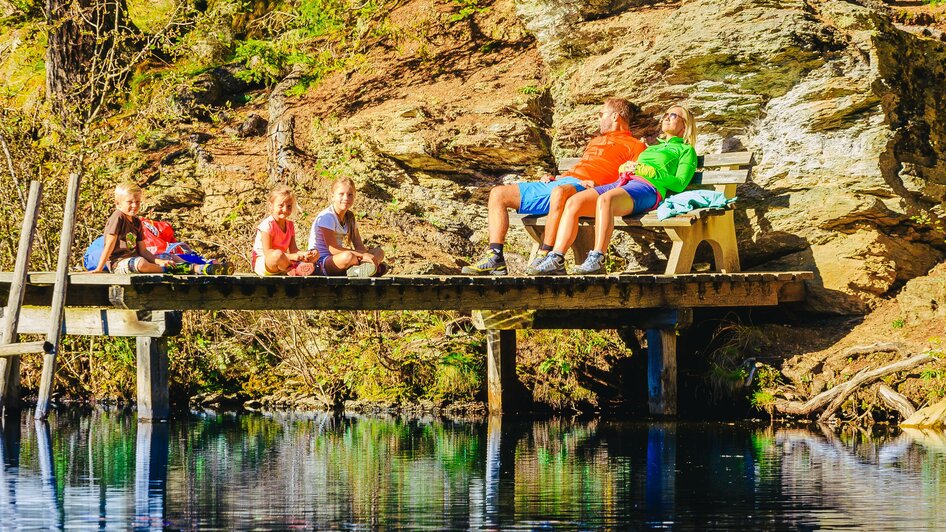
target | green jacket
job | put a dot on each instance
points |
(668, 165)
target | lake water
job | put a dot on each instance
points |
(104, 470)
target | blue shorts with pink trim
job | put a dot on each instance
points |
(644, 194)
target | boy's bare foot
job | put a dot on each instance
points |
(302, 269)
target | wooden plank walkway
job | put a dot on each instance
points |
(461, 293)
(149, 307)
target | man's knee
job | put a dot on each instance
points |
(504, 196)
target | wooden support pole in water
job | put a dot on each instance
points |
(662, 371)
(153, 398)
(502, 384)
(59, 296)
(10, 367)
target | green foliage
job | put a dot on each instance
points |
(466, 9)
(529, 89)
(898, 323)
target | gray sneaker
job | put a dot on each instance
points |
(553, 264)
(491, 263)
(531, 268)
(365, 269)
(594, 263)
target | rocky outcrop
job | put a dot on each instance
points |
(843, 111)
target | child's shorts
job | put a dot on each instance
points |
(534, 195)
(125, 266)
(320, 265)
(260, 268)
(644, 194)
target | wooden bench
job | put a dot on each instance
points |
(722, 172)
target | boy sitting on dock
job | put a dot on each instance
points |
(124, 249)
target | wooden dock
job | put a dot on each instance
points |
(149, 307)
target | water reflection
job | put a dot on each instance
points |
(106, 471)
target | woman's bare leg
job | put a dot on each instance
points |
(615, 202)
(581, 204)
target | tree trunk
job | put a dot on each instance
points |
(82, 37)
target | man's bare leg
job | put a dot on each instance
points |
(501, 198)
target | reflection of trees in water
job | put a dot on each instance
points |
(892, 480)
(320, 471)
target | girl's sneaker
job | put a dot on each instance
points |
(302, 269)
(594, 263)
(210, 269)
(554, 264)
(365, 269)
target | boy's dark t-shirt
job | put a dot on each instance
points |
(128, 232)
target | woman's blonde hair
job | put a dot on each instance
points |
(349, 221)
(282, 192)
(689, 134)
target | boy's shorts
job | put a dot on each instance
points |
(534, 195)
(260, 268)
(125, 266)
(644, 194)
(320, 265)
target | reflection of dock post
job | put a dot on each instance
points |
(153, 400)
(151, 473)
(660, 486)
(500, 473)
(47, 470)
(9, 464)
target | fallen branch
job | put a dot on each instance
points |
(895, 401)
(836, 396)
(880, 347)
(867, 377)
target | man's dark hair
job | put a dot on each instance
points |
(622, 107)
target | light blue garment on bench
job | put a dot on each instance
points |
(692, 199)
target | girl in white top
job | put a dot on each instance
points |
(274, 248)
(335, 227)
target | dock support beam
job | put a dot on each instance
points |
(153, 399)
(662, 371)
(502, 383)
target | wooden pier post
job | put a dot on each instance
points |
(502, 383)
(662, 371)
(10, 366)
(153, 399)
(58, 304)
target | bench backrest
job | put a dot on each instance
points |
(723, 171)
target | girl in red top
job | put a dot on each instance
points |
(274, 250)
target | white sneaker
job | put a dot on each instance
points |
(365, 269)
(594, 263)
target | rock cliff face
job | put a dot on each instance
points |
(843, 109)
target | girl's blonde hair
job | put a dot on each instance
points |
(126, 189)
(282, 192)
(349, 221)
(689, 134)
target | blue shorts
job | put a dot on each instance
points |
(534, 195)
(644, 194)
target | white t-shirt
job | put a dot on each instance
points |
(329, 220)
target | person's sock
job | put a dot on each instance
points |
(545, 247)
(496, 248)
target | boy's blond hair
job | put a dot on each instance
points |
(123, 190)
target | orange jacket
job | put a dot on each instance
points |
(604, 155)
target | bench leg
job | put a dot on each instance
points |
(537, 233)
(685, 241)
(721, 234)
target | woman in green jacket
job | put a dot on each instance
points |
(665, 167)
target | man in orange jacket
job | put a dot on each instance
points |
(598, 166)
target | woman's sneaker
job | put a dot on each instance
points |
(594, 263)
(553, 264)
(302, 269)
(491, 263)
(365, 269)
(179, 268)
